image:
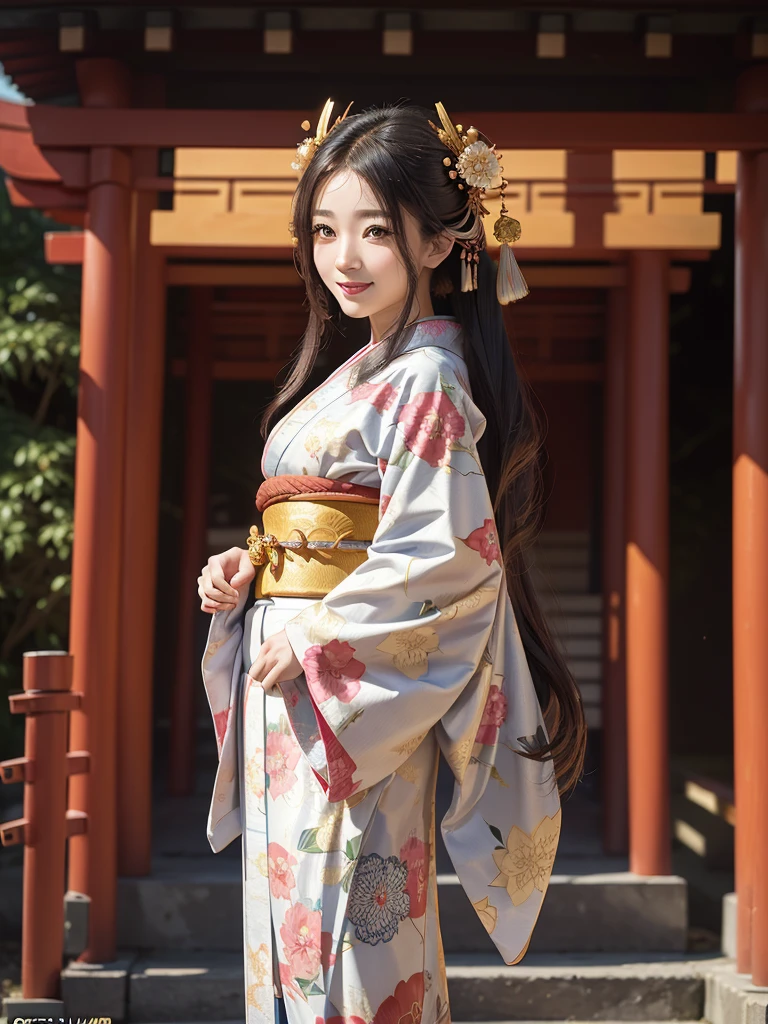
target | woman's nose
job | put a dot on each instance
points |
(347, 256)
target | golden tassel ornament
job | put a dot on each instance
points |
(510, 283)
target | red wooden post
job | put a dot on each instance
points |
(142, 489)
(46, 701)
(750, 545)
(96, 556)
(647, 564)
(197, 431)
(614, 694)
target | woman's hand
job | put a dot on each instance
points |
(275, 662)
(222, 578)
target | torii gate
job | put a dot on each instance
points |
(93, 166)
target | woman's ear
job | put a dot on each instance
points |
(440, 246)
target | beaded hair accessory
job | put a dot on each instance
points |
(477, 163)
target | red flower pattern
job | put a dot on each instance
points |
(431, 422)
(287, 983)
(415, 852)
(332, 671)
(220, 724)
(300, 933)
(494, 716)
(327, 956)
(281, 878)
(485, 540)
(380, 396)
(405, 1006)
(282, 757)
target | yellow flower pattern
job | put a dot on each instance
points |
(409, 649)
(525, 863)
(487, 913)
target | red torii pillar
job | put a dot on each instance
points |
(139, 566)
(197, 435)
(98, 516)
(647, 563)
(750, 545)
(614, 699)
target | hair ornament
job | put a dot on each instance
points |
(306, 149)
(478, 165)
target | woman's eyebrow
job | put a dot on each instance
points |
(358, 213)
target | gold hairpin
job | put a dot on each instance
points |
(478, 164)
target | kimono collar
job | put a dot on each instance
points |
(436, 331)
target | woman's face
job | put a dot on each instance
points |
(356, 254)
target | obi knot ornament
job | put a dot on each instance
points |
(324, 537)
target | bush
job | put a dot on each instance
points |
(39, 354)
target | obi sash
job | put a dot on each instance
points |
(316, 532)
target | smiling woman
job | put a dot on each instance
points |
(401, 625)
(356, 255)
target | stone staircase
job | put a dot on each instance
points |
(608, 945)
(562, 580)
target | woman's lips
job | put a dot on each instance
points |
(353, 289)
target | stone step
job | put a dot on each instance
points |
(560, 557)
(195, 986)
(572, 604)
(568, 626)
(562, 538)
(561, 581)
(581, 647)
(200, 908)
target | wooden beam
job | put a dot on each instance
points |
(240, 369)
(281, 274)
(84, 127)
(21, 158)
(34, 195)
(560, 372)
(64, 247)
(284, 275)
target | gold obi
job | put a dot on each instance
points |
(309, 546)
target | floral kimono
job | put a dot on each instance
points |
(330, 778)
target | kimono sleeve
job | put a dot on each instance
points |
(391, 648)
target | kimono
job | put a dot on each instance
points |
(330, 778)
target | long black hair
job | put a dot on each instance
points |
(396, 151)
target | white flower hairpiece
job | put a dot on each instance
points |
(477, 163)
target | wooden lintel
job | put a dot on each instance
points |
(245, 274)
(284, 275)
(39, 195)
(236, 369)
(22, 159)
(64, 247)
(80, 127)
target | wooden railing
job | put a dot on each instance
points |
(47, 824)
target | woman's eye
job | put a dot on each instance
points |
(318, 229)
(383, 231)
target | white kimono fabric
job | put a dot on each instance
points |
(331, 779)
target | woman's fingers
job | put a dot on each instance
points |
(246, 570)
(217, 564)
(208, 590)
(272, 678)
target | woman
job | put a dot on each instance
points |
(410, 628)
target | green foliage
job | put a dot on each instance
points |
(39, 353)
